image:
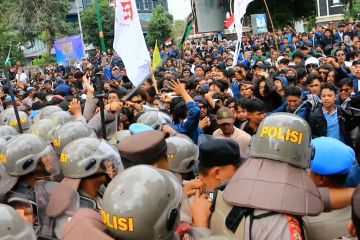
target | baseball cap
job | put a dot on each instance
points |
(219, 152)
(224, 115)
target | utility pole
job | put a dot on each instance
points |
(99, 21)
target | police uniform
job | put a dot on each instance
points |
(143, 148)
(331, 157)
(271, 190)
(130, 213)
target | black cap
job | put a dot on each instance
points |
(219, 152)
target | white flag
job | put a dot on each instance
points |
(129, 41)
(240, 7)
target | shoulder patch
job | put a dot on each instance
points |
(294, 228)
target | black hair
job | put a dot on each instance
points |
(242, 103)
(299, 55)
(179, 110)
(329, 86)
(345, 81)
(151, 91)
(114, 91)
(293, 91)
(357, 62)
(222, 85)
(190, 84)
(311, 77)
(337, 180)
(255, 105)
(79, 74)
(301, 72)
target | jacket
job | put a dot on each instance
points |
(190, 126)
(318, 124)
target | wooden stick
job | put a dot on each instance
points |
(272, 25)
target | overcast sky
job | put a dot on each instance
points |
(180, 9)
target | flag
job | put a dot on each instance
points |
(129, 42)
(240, 7)
(230, 23)
(156, 57)
(8, 60)
(187, 31)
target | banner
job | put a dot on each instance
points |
(69, 49)
(129, 42)
(259, 23)
(240, 7)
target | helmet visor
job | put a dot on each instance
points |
(48, 164)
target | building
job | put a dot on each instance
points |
(329, 11)
(146, 7)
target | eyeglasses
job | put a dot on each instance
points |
(344, 90)
(340, 54)
(323, 72)
(138, 101)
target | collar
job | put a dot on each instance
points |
(328, 113)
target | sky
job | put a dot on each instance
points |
(180, 9)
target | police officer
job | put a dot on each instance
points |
(154, 119)
(271, 189)
(8, 118)
(48, 110)
(59, 117)
(182, 155)
(87, 164)
(12, 227)
(69, 132)
(219, 159)
(144, 148)
(28, 159)
(329, 168)
(44, 128)
(131, 207)
(6, 131)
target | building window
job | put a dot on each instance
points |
(146, 4)
(138, 4)
(336, 3)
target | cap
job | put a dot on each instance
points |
(224, 115)
(259, 65)
(143, 148)
(331, 157)
(137, 128)
(219, 152)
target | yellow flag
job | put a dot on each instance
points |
(156, 57)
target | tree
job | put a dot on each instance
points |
(90, 27)
(178, 29)
(160, 26)
(284, 12)
(33, 18)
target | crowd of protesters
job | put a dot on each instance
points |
(201, 88)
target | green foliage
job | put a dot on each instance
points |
(90, 27)
(160, 26)
(31, 18)
(43, 60)
(284, 12)
(178, 29)
(353, 9)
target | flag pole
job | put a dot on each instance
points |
(11, 92)
(272, 24)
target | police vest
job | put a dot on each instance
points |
(231, 221)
